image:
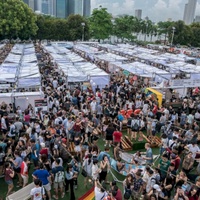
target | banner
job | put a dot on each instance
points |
(41, 104)
(185, 83)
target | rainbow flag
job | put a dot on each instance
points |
(89, 195)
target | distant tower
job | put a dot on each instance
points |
(86, 8)
(138, 13)
(197, 18)
(61, 8)
(189, 11)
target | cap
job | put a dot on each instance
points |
(157, 187)
(64, 140)
(42, 145)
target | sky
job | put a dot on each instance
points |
(156, 10)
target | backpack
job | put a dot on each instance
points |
(59, 177)
(135, 125)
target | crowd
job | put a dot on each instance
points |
(38, 144)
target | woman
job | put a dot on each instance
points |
(69, 180)
(169, 185)
(46, 162)
(77, 148)
(188, 163)
(164, 143)
(95, 135)
(192, 194)
(109, 135)
(117, 151)
(87, 166)
(181, 178)
(135, 126)
(95, 170)
(105, 166)
(128, 184)
(9, 175)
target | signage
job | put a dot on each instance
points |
(185, 83)
(40, 104)
(126, 73)
(4, 86)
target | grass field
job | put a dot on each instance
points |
(81, 190)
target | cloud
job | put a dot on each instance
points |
(156, 10)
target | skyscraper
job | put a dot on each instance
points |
(197, 18)
(78, 7)
(189, 11)
(30, 3)
(61, 8)
(86, 8)
(138, 13)
(46, 6)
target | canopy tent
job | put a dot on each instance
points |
(158, 95)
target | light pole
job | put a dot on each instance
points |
(173, 30)
(83, 25)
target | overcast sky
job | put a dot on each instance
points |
(156, 10)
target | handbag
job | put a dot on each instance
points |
(84, 173)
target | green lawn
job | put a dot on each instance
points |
(81, 188)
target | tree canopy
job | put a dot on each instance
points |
(17, 20)
(100, 24)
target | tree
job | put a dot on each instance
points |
(124, 27)
(17, 20)
(76, 29)
(164, 28)
(195, 39)
(100, 24)
(182, 34)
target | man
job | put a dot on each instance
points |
(114, 187)
(24, 171)
(35, 149)
(19, 126)
(149, 154)
(151, 181)
(4, 127)
(59, 177)
(163, 165)
(38, 192)
(44, 176)
(193, 147)
(117, 135)
(176, 160)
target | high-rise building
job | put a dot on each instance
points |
(30, 3)
(197, 18)
(78, 7)
(47, 6)
(189, 11)
(61, 8)
(86, 8)
(138, 13)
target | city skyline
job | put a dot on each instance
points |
(156, 10)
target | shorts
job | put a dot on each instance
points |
(58, 185)
(109, 137)
(47, 187)
(77, 148)
(17, 170)
(10, 182)
(25, 179)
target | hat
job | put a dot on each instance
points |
(173, 156)
(42, 145)
(64, 140)
(157, 187)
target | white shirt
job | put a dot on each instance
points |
(98, 194)
(93, 105)
(37, 193)
(150, 182)
(194, 149)
(3, 123)
(95, 173)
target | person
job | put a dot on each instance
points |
(118, 193)
(87, 166)
(180, 194)
(24, 171)
(70, 174)
(44, 176)
(102, 153)
(163, 165)
(149, 154)
(188, 162)
(99, 190)
(38, 192)
(95, 170)
(105, 166)
(9, 175)
(59, 177)
(16, 166)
